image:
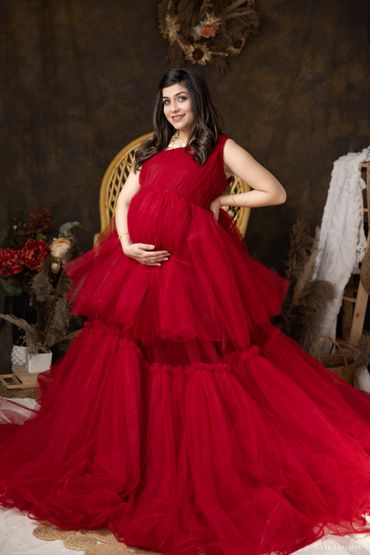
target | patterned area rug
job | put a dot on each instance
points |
(92, 542)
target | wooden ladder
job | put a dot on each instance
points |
(355, 299)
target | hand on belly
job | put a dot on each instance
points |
(146, 254)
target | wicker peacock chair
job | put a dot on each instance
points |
(117, 172)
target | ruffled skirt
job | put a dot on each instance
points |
(180, 417)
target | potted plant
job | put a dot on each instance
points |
(46, 289)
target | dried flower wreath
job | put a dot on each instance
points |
(206, 31)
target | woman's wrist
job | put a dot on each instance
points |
(226, 200)
(124, 239)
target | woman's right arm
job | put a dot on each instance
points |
(128, 191)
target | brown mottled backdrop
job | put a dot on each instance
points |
(78, 79)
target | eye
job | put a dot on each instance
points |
(165, 101)
(183, 98)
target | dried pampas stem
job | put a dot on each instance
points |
(302, 310)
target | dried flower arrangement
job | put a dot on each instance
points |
(302, 309)
(206, 33)
(47, 291)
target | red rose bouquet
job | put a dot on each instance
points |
(24, 249)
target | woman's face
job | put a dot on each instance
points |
(177, 107)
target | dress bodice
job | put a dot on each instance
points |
(175, 171)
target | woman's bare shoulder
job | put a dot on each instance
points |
(232, 150)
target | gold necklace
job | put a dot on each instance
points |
(173, 139)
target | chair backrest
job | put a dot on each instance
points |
(118, 170)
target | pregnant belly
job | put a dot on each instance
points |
(160, 219)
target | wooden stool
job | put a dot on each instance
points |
(19, 378)
(355, 298)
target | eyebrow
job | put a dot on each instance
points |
(181, 92)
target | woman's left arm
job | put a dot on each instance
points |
(267, 190)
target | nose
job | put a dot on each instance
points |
(174, 107)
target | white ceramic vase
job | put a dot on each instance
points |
(19, 355)
(361, 379)
(39, 362)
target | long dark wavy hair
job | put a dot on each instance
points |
(206, 127)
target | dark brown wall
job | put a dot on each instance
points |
(78, 80)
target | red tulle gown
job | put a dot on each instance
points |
(180, 417)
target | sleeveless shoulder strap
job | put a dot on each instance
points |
(220, 145)
(222, 138)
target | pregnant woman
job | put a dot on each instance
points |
(181, 418)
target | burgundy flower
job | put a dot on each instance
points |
(10, 262)
(40, 222)
(33, 253)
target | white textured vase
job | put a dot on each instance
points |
(361, 379)
(18, 355)
(39, 362)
